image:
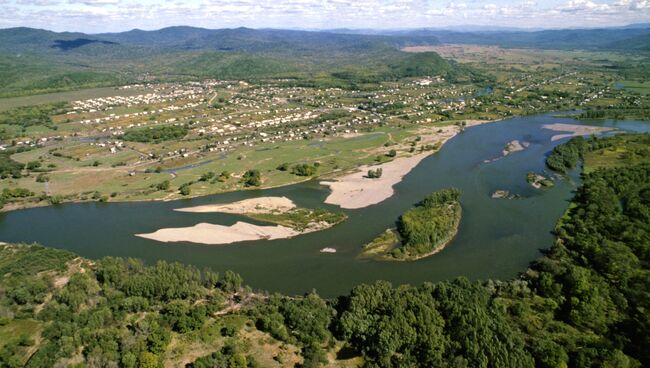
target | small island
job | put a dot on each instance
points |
(288, 219)
(421, 231)
(538, 181)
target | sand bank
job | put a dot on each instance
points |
(515, 146)
(355, 190)
(205, 233)
(261, 205)
(510, 147)
(574, 130)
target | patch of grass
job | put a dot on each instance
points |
(382, 244)
(302, 219)
(639, 87)
(18, 328)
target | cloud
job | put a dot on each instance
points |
(38, 2)
(94, 2)
(116, 15)
(639, 5)
(588, 6)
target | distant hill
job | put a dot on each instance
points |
(47, 60)
(259, 40)
(585, 39)
(629, 37)
(36, 60)
(638, 43)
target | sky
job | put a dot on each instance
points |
(96, 16)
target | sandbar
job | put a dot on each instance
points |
(574, 130)
(515, 146)
(205, 233)
(261, 205)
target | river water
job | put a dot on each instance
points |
(497, 238)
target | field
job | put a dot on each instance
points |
(624, 152)
(643, 88)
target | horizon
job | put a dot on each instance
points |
(109, 16)
(454, 28)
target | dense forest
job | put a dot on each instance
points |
(584, 303)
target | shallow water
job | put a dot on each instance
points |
(497, 237)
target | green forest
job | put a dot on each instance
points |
(421, 231)
(584, 303)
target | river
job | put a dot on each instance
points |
(497, 238)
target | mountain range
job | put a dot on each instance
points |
(36, 60)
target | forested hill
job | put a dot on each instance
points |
(35, 61)
(583, 304)
(261, 40)
(630, 39)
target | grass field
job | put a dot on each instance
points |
(642, 88)
(626, 152)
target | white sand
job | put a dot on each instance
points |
(253, 205)
(514, 146)
(356, 191)
(205, 233)
(574, 129)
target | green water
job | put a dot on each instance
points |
(497, 237)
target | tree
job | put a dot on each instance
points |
(185, 189)
(149, 360)
(283, 167)
(163, 185)
(33, 165)
(304, 170)
(375, 174)
(231, 282)
(252, 178)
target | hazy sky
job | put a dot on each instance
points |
(119, 15)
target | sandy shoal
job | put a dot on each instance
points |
(514, 146)
(356, 191)
(205, 233)
(252, 205)
(574, 130)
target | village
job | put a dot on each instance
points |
(171, 134)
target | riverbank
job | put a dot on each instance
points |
(356, 190)
(430, 136)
